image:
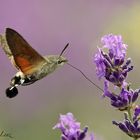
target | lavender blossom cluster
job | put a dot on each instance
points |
(70, 128)
(112, 65)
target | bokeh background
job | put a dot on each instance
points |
(48, 25)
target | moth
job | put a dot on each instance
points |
(30, 64)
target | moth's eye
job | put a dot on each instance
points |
(59, 62)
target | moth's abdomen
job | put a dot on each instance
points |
(29, 81)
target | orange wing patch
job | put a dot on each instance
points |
(23, 63)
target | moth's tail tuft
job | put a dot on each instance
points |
(11, 92)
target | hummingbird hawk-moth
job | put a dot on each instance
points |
(30, 64)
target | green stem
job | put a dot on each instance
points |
(129, 114)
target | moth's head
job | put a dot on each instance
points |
(56, 59)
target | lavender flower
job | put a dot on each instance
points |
(111, 64)
(137, 112)
(115, 45)
(114, 68)
(70, 128)
(131, 126)
(124, 100)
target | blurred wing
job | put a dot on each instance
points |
(24, 56)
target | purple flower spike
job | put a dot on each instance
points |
(124, 100)
(131, 128)
(70, 128)
(111, 64)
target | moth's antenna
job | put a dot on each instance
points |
(64, 49)
(85, 77)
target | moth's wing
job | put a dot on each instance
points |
(6, 49)
(24, 56)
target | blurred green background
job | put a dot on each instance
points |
(48, 25)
